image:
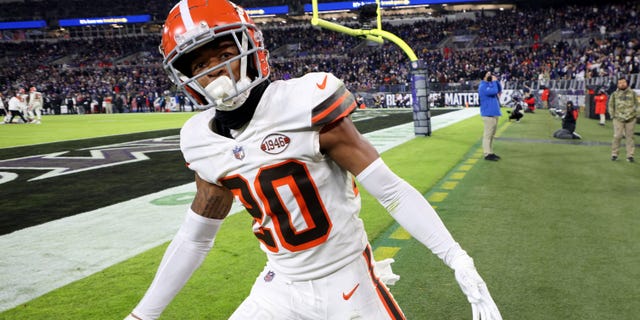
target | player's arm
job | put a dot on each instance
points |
(211, 200)
(188, 248)
(348, 148)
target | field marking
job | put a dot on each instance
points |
(75, 247)
(449, 185)
(458, 175)
(400, 234)
(382, 252)
(437, 196)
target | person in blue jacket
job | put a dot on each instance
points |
(489, 92)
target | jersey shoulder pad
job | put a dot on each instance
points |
(193, 132)
(332, 101)
(323, 94)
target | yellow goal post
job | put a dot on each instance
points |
(421, 112)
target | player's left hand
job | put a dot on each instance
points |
(482, 305)
(383, 270)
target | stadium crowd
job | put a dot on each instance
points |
(16, 10)
(570, 42)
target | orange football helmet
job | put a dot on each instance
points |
(191, 24)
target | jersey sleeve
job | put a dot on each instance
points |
(334, 101)
(196, 141)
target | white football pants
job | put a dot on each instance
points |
(353, 292)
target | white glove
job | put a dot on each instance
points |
(482, 305)
(383, 270)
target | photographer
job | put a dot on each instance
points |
(569, 121)
(488, 92)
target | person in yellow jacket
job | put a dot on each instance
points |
(623, 108)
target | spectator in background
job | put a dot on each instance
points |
(141, 102)
(526, 90)
(488, 93)
(545, 97)
(181, 101)
(108, 103)
(70, 102)
(623, 108)
(167, 101)
(601, 105)
(99, 100)
(97, 64)
(530, 100)
(56, 103)
(118, 103)
(84, 100)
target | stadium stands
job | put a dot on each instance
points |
(571, 42)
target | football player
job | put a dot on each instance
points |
(35, 105)
(3, 111)
(289, 152)
(17, 103)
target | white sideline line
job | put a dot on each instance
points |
(42, 258)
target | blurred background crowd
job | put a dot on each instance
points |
(519, 43)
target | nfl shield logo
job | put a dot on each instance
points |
(238, 152)
(269, 276)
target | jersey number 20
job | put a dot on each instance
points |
(293, 175)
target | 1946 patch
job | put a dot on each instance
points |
(275, 143)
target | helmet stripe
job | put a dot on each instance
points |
(185, 14)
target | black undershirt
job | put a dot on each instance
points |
(224, 121)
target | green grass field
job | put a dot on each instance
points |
(71, 127)
(553, 228)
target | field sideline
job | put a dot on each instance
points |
(552, 228)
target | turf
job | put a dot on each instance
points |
(65, 127)
(83, 191)
(552, 227)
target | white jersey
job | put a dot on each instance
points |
(17, 104)
(24, 106)
(35, 99)
(305, 207)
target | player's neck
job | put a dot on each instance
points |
(236, 119)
